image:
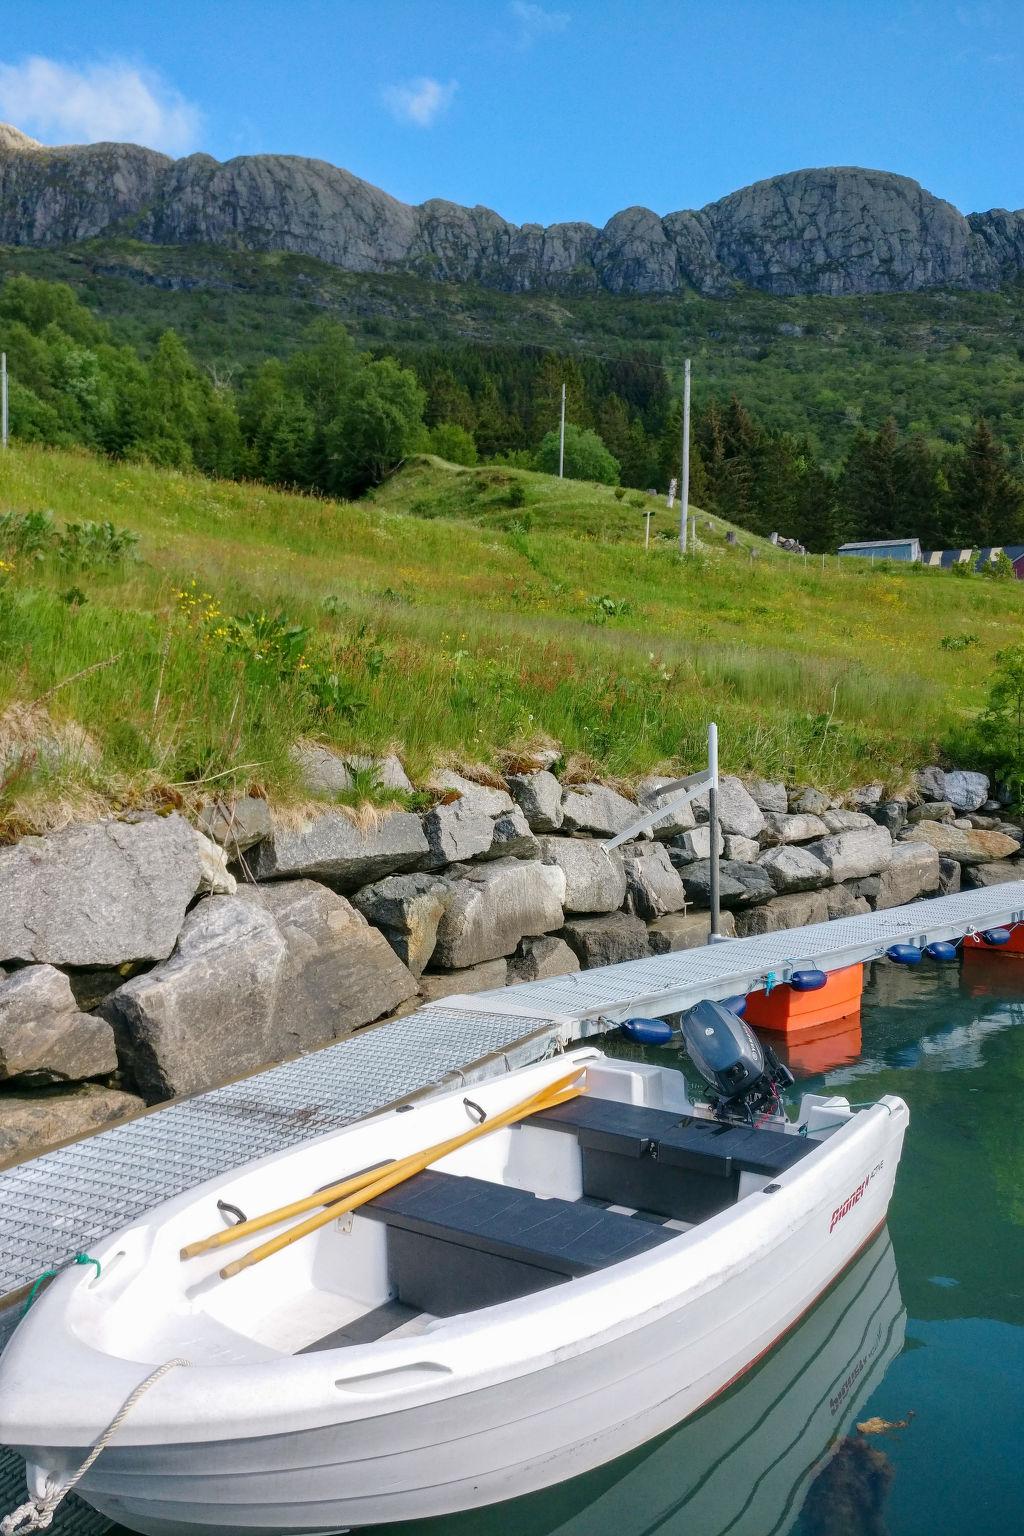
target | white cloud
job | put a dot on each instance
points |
(88, 103)
(535, 22)
(421, 101)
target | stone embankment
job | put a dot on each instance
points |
(143, 958)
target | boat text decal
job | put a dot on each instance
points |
(854, 1199)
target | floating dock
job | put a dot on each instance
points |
(69, 1198)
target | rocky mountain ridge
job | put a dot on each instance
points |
(837, 230)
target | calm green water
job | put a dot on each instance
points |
(927, 1328)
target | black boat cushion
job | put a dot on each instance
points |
(606, 1125)
(567, 1237)
(680, 1141)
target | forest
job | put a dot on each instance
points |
(336, 417)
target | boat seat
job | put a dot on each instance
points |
(457, 1243)
(633, 1130)
(680, 1166)
(747, 1148)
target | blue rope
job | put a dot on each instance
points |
(50, 1274)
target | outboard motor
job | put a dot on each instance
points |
(746, 1076)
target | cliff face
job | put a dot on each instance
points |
(834, 231)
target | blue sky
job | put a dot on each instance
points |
(565, 109)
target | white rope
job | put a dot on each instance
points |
(37, 1514)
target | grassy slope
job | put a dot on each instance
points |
(458, 635)
(822, 365)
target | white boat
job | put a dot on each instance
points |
(536, 1304)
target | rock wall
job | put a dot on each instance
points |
(834, 230)
(143, 958)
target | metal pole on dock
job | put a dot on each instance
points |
(561, 438)
(684, 483)
(713, 884)
(3, 400)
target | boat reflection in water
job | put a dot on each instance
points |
(744, 1464)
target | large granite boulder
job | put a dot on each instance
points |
(892, 815)
(255, 977)
(651, 793)
(459, 831)
(688, 847)
(913, 872)
(206, 1015)
(338, 972)
(741, 850)
(30, 1122)
(793, 911)
(492, 906)
(606, 940)
(844, 821)
(595, 880)
(852, 855)
(768, 795)
(801, 827)
(333, 846)
(966, 845)
(930, 783)
(99, 894)
(324, 771)
(1001, 872)
(512, 837)
(598, 810)
(950, 878)
(475, 821)
(965, 791)
(867, 797)
(845, 901)
(42, 1033)
(653, 886)
(236, 824)
(485, 977)
(538, 958)
(539, 797)
(793, 868)
(407, 909)
(811, 802)
(739, 885)
(678, 930)
(931, 810)
(737, 810)
(489, 798)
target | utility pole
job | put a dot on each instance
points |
(561, 439)
(684, 483)
(3, 400)
(713, 881)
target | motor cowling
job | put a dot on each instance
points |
(745, 1075)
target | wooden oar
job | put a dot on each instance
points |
(332, 1192)
(394, 1176)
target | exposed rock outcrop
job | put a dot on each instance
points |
(832, 230)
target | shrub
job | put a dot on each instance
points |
(452, 442)
(517, 494)
(586, 457)
(958, 642)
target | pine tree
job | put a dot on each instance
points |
(987, 501)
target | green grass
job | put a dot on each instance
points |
(450, 627)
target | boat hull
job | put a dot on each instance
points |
(550, 1419)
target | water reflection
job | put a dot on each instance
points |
(745, 1463)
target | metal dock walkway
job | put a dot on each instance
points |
(74, 1196)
